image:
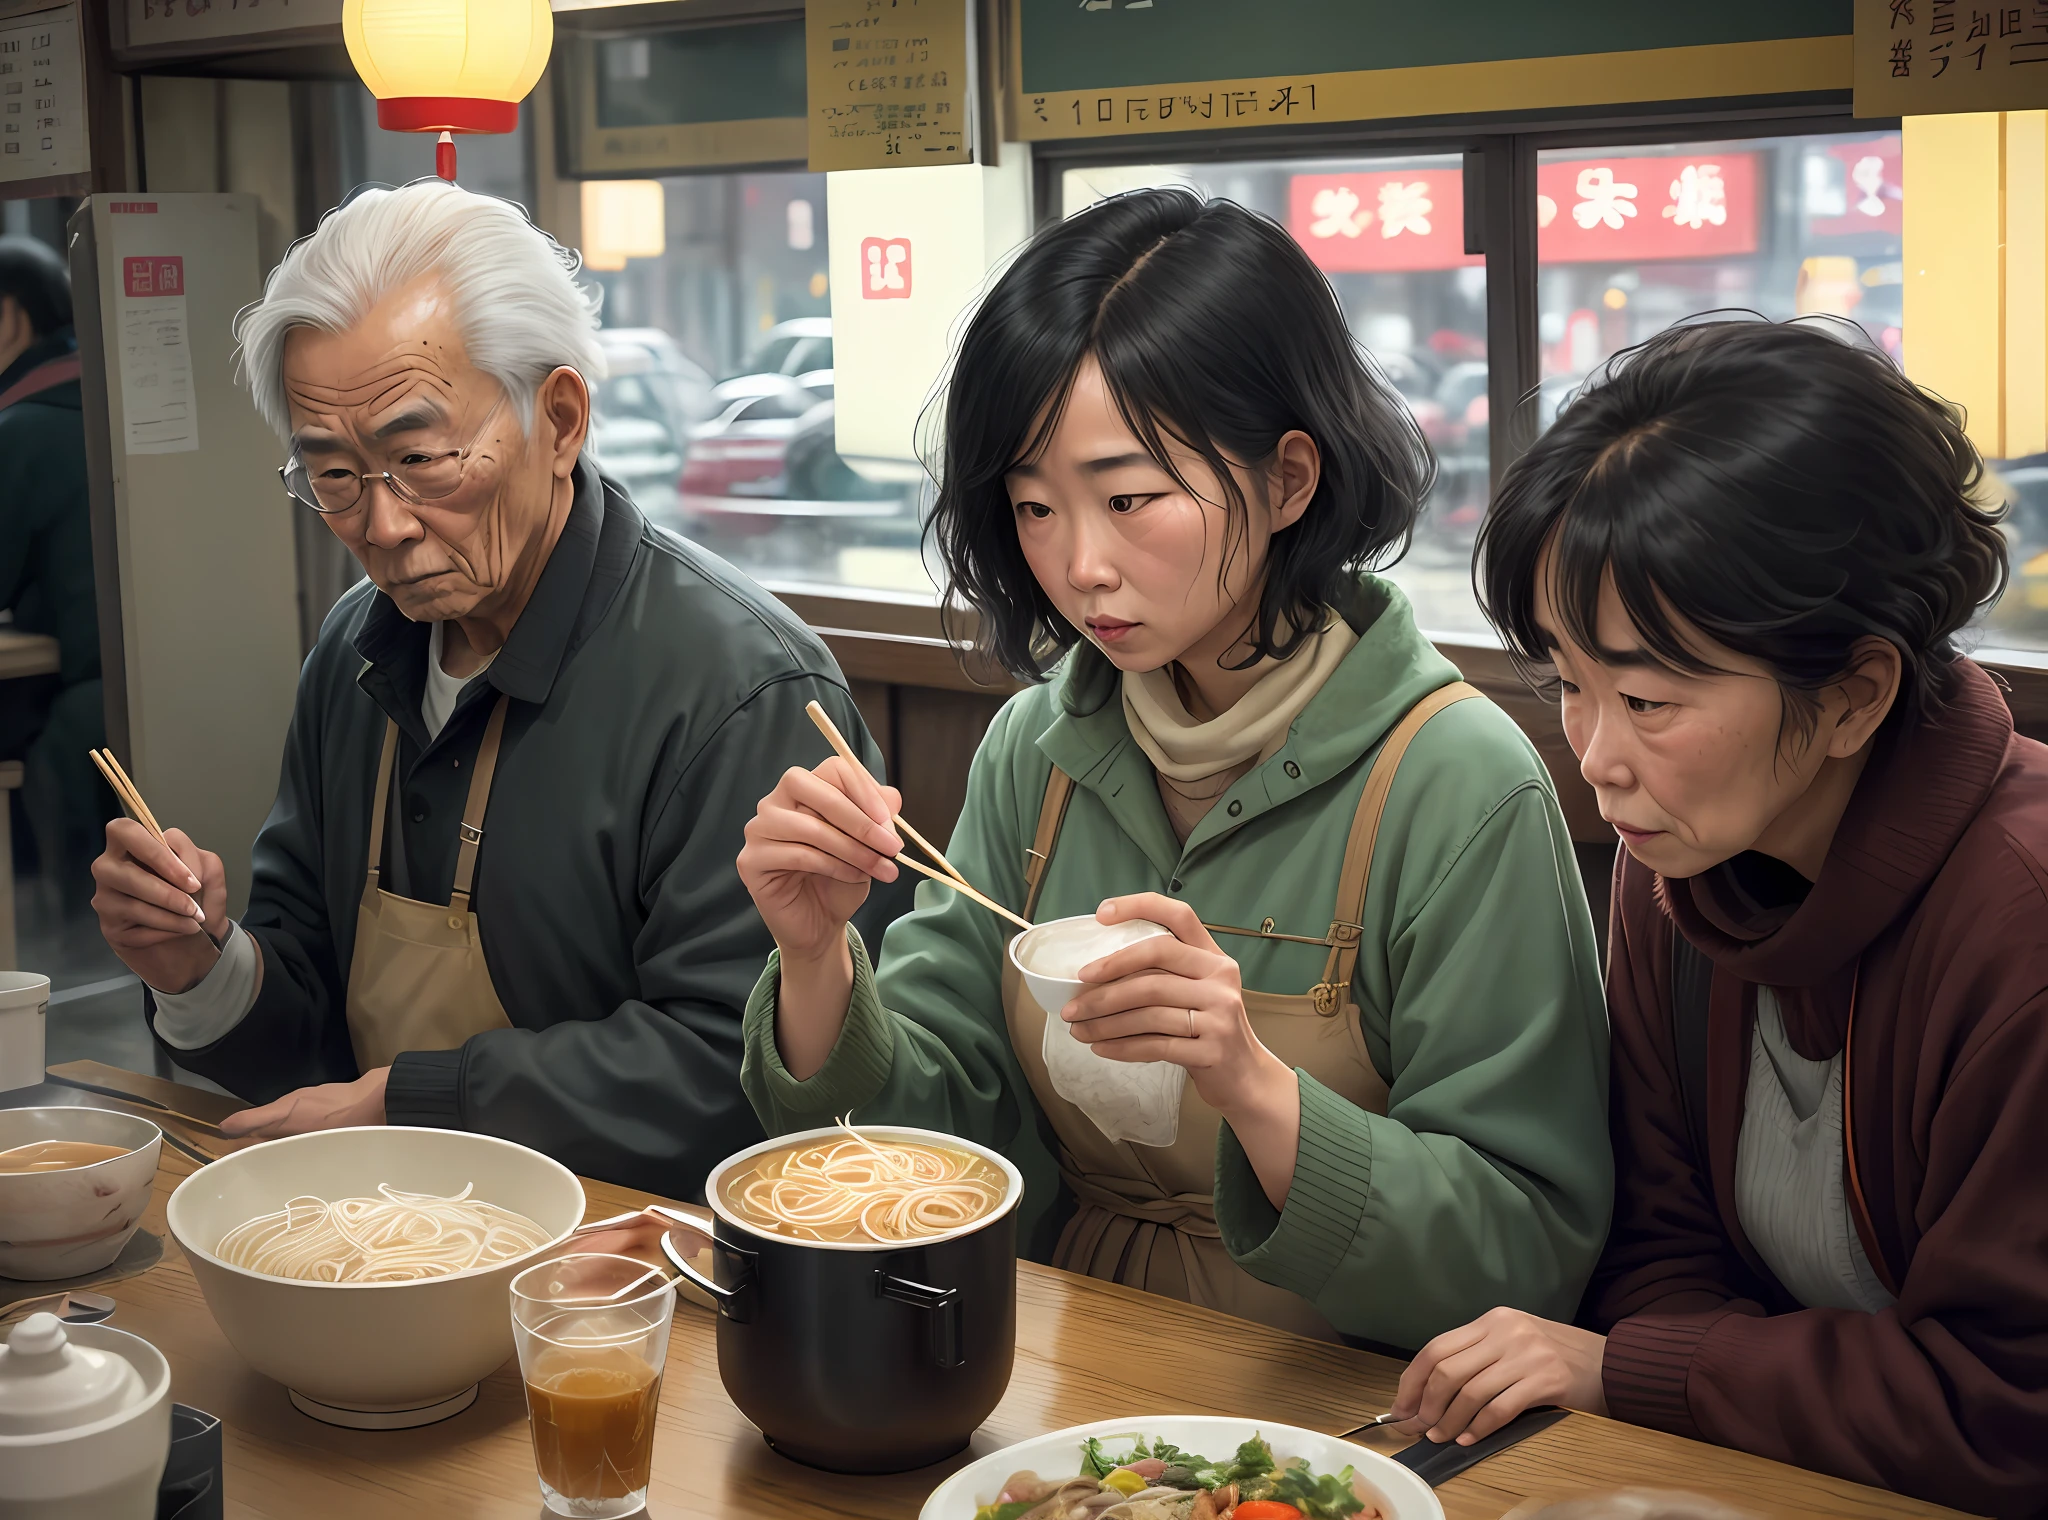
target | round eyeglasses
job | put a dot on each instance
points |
(418, 478)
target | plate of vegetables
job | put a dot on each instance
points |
(1183, 1467)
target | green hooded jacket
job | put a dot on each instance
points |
(1488, 1181)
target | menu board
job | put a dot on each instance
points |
(157, 22)
(1926, 57)
(42, 96)
(887, 83)
(668, 101)
(1100, 68)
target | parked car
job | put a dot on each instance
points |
(642, 412)
(643, 456)
(651, 377)
(792, 348)
(739, 451)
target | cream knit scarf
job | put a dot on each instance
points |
(1187, 752)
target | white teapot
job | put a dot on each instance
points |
(85, 1422)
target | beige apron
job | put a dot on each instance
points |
(417, 980)
(1146, 1215)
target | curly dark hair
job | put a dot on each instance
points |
(1779, 486)
(1211, 325)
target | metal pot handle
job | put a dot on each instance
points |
(942, 1306)
(735, 1303)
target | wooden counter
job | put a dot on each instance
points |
(1079, 1358)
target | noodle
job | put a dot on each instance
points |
(886, 1191)
(398, 1237)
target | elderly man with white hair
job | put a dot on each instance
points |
(496, 891)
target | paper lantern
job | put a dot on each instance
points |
(448, 65)
(622, 219)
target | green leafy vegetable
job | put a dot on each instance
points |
(1320, 1498)
(1254, 1459)
(1097, 1463)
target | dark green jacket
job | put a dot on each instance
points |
(656, 694)
(45, 524)
(1487, 1181)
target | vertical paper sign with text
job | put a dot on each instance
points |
(42, 96)
(159, 408)
(887, 83)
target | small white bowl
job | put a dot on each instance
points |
(375, 1356)
(1055, 992)
(1401, 1494)
(69, 1223)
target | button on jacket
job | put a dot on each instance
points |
(656, 693)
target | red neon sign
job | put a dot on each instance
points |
(1691, 206)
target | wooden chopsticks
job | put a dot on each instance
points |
(125, 789)
(949, 877)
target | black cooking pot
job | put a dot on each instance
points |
(864, 1358)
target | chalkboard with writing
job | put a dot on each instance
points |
(1110, 44)
(690, 98)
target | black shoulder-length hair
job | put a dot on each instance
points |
(1211, 325)
(1781, 487)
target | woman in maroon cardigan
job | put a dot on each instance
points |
(1746, 553)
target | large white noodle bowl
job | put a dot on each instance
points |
(370, 1355)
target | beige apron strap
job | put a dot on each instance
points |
(1059, 791)
(1352, 879)
(472, 829)
(383, 796)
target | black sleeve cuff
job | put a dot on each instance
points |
(425, 1088)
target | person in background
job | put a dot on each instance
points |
(496, 890)
(1747, 555)
(46, 581)
(1167, 467)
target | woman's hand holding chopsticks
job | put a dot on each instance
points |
(813, 848)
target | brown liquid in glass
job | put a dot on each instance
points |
(593, 1420)
(57, 1155)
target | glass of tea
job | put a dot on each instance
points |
(592, 1332)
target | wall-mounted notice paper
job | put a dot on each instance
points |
(42, 96)
(162, 21)
(158, 404)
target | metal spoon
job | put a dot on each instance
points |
(74, 1308)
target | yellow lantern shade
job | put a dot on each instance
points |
(448, 65)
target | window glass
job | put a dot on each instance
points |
(731, 326)
(1389, 232)
(2020, 620)
(1632, 239)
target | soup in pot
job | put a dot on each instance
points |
(852, 1188)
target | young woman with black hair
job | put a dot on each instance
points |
(1166, 468)
(1746, 555)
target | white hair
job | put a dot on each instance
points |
(518, 307)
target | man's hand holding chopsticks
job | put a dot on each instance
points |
(161, 905)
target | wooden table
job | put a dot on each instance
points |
(1076, 1362)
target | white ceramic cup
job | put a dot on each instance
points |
(24, 1003)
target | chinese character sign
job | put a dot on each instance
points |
(1678, 207)
(1393, 220)
(1925, 57)
(885, 269)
